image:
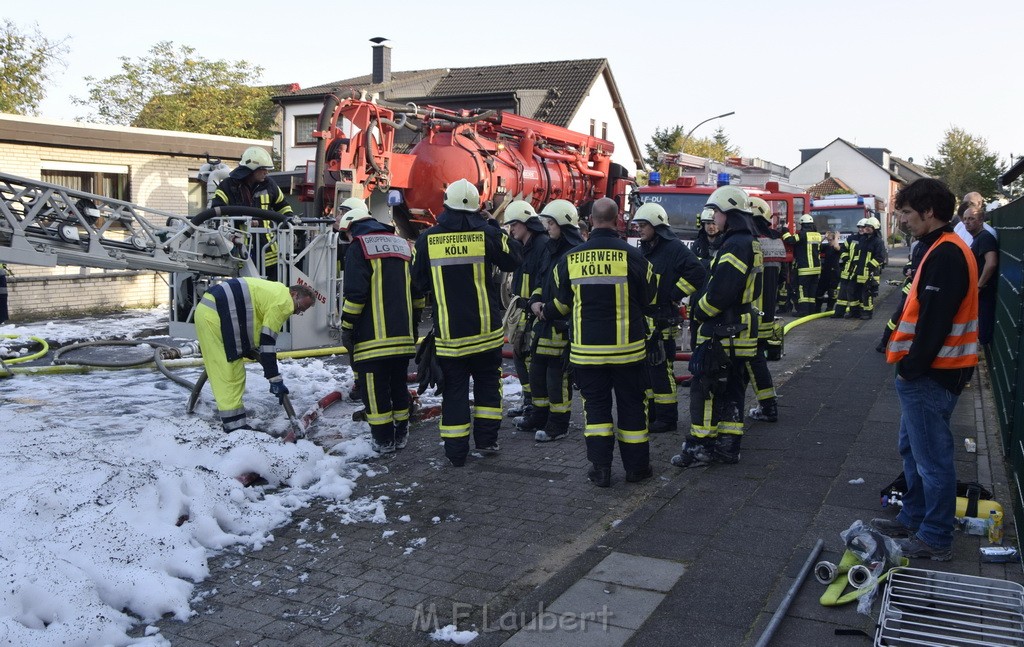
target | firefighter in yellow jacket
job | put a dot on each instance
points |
(454, 262)
(377, 323)
(606, 288)
(240, 318)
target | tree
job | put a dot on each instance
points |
(26, 61)
(966, 164)
(671, 140)
(173, 89)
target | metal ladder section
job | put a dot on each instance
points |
(922, 607)
(47, 225)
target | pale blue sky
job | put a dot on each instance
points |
(798, 73)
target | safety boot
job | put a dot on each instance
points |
(727, 448)
(695, 453)
(531, 422)
(600, 475)
(662, 426)
(766, 410)
(635, 476)
(549, 433)
(523, 409)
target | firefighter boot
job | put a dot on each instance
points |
(533, 421)
(401, 434)
(766, 410)
(551, 431)
(522, 410)
(696, 453)
(600, 475)
(727, 448)
(840, 312)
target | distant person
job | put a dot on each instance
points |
(4, 314)
(239, 318)
(986, 252)
(971, 202)
(807, 257)
(935, 350)
(828, 281)
(249, 186)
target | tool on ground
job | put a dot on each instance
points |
(297, 430)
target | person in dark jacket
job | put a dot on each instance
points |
(454, 261)
(549, 372)
(249, 186)
(527, 279)
(679, 274)
(935, 350)
(726, 337)
(606, 288)
(806, 245)
(828, 281)
(873, 257)
(377, 323)
(986, 253)
(766, 286)
(851, 266)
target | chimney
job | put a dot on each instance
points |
(381, 60)
(828, 169)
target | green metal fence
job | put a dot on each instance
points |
(1008, 341)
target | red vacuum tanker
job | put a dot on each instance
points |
(507, 156)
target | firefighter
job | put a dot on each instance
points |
(606, 288)
(377, 323)
(526, 227)
(807, 258)
(708, 240)
(249, 186)
(726, 337)
(549, 371)
(874, 257)
(765, 301)
(850, 267)
(680, 274)
(237, 319)
(828, 280)
(356, 394)
(453, 261)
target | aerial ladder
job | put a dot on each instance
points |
(48, 225)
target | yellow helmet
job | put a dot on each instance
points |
(353, 215)
(729, 198)
(873, 222)
(519, 211)
(256, 158)
(651, 213)
(760, 208)
(462, 195)
(563, 212)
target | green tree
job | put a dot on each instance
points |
(26, 61)
(173, 89)
(671, 140)
(966, 164)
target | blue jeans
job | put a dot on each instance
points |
(926, 445)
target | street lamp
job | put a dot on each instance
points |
(687, 138)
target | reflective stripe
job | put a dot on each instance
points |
(487, 413)
(604, 429)
(631, 436)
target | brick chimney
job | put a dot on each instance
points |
(381, 60)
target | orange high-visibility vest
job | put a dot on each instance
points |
(960, 348)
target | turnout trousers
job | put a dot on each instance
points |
(227, 379)
(662, 399)
(712, 414)
(386, 395)
(552, 394)
(485, 369)
(807, 288)
(758, 374)
(597, 385)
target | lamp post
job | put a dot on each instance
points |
(687, 138)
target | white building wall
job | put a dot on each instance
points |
(292, 155)
(599, 106)
(847, 164)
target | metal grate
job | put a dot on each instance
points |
(947, 609)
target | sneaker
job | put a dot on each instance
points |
(600, 476)
(892, 528)
(489, 449)
(543, 436)
(913, 547)
(693, 455)
(639, 475)
(382, 448)
(662, 427)
(767, 411)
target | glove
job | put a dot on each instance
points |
(656, 351)
(348, 339)
(278, 388)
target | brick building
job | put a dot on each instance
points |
(155, 169)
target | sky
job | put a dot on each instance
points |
(115, 500)
(797, 73)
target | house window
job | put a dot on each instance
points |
(196, 196)
(604, 130)
(304, 127)
(593, 126)
(106, 180)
